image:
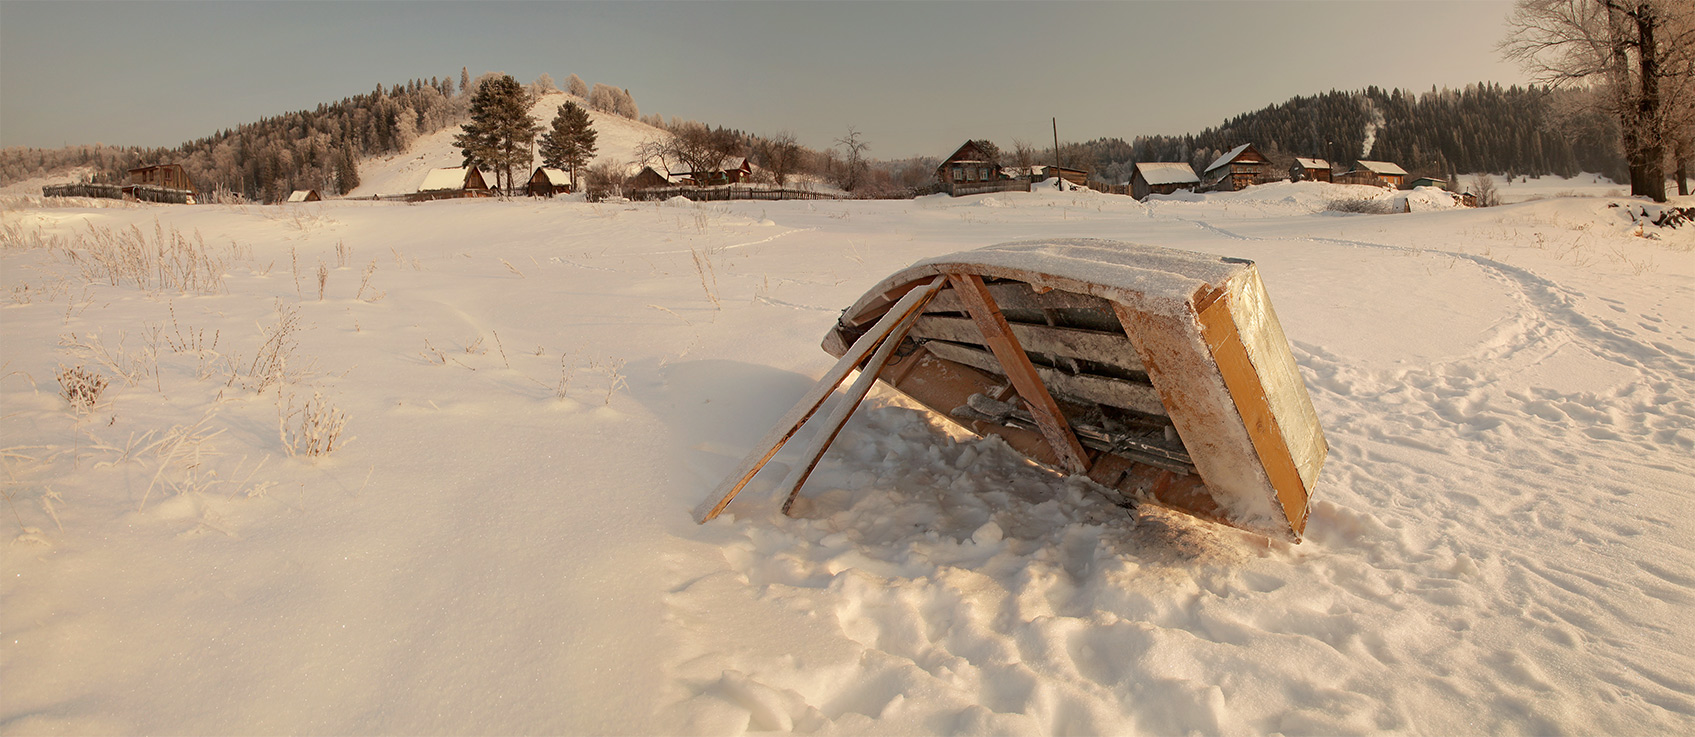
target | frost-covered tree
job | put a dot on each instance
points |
(501, 130)
(691, 147)
(781, 155)
(853, 166)
(604, 98)
(1636, 51)
(625, 105)
(570, 142)
(543, 85)
(576, 86)
(464, 80)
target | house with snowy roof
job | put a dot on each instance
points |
(451, 182)
(650, 177)
(305, 195)
(1239, 167)
(1309, 170)
(1374, 173)
(547, 182)
(733, 170)
(1161, 177)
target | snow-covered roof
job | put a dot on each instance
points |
(1312, 163)
(299, 195)
(1167, 172)
(1382, 167)
(557, 177)
(1231, 156)
(449, 178)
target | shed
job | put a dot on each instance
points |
(1238, 168)
(1161, 177)
(305, 195)
(1436, 182)
(1078, 177)
(547, 182)
(1309, 170)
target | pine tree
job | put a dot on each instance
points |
(570, 145)
(501, 129)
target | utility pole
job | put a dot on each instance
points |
(1059, 178)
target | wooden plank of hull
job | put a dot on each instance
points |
(1248, 394)
(1021, 296)
(1110, 348)
(942, 385)
(1096, 389)
(998, 334)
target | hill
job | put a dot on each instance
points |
(616, 141)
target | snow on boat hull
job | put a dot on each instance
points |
(1162, 374)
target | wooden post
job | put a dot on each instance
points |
(998, 335)
(809, 404)
(856, 394)
(1056, 167)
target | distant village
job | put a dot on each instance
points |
(968, 170)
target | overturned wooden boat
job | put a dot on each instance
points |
(1163, 375)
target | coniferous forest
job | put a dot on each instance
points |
(1481, 128)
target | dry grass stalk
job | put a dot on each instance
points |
(312, 430)
(323, 278)
(182, 448)
(80, 387)
(166, 262)
(270, 363)
(703, 267)
(343, 254)
(365, 283)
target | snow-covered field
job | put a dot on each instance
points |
(1500, 543)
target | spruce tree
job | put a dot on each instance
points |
(570, 145)
(501, 129)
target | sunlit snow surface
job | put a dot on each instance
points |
(1500, 541)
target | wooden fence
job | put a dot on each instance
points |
(961, 189)
(732, 192)
(103, 191)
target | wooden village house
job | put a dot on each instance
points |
(160, 183)
(1374, 173)
(452, 182)
(970, 170)
(967, 165)
(1240, 167)
(1161, 177)
(165, 176)
(733, 171)
(547, 182)
(650, 177)
(305, 195)
(1309, 170)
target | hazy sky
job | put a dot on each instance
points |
(916, 78)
